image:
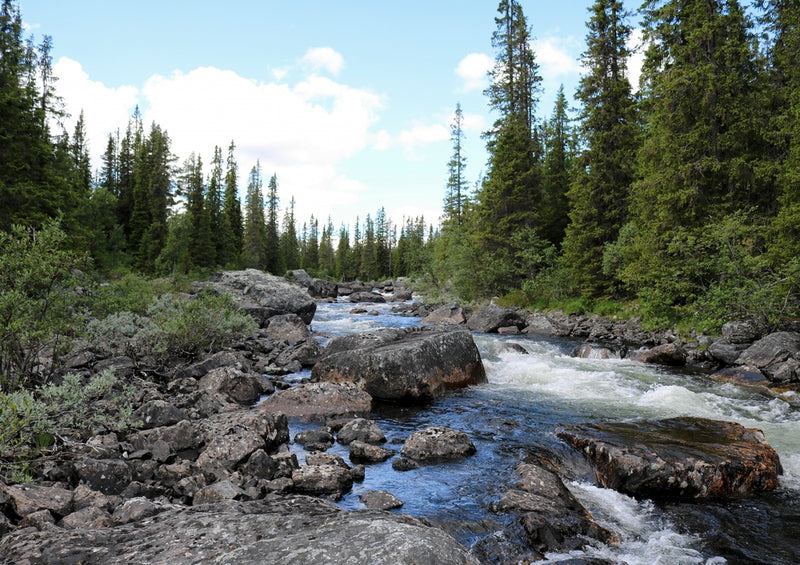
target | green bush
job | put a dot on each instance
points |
(37, 299)
(132, 293)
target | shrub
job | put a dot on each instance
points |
(36, 303)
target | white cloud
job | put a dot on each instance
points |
(473, 69)
(473, 122)
(420, 135)
(636, 58)
(556, 57)
(104, 109)
(300, 132)
(324, 58)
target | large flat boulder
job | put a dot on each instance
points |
(278, 530)
(678, 458)
(319, 401)
(403, 364)
(263, 295)
(492, 317)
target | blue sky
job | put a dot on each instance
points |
(348, 102)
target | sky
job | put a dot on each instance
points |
(348, 102)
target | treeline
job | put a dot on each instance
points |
(682, 201)
(144, 211)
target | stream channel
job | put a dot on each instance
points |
(516, 413)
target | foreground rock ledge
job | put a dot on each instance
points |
(678, 458)
(278, 530)
(406, 365)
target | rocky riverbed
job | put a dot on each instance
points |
(210, 476)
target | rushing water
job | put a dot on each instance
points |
(516, 413)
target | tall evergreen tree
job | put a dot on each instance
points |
(327, 257)
(343, 262)
(220, 230)
(456, 193)
(275, 261)
(557, 171)
(232, 207)
(254, 245)
(598, 197)
(200, 245)
(510, 195)
(290, 248)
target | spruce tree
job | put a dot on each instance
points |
(598, 196)
(200, 244)
(456, 191)
(275, 261)
(220, 230)
(232, 208)
(254, 242)
(557, 171)
(290, 248)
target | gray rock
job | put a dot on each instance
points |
(403, 364)
(89, 517)
(215, 361)
(109, 476)
(27, 499)
(739, 332)
(331, 480)
(492, 317)
(380, 500)
(238, 386)
(770, 355)
(263, 295)
(451, 313)
(671, 354)
(724, 352)
(283, 530)
(299, 276)
(319, 288)
(437, 443)
(222, 490)
(314, 437)
(287, 327)
(157, 413)
(360, 429)
(319, 401)
(366, 296)
(361, 452)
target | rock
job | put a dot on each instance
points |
(299, 276)
(366, 296)
(405, 464)
(739, 332)
(84, 497)
(326, 459)
(25, 500)
(451, 313)
(305, 353)
(361, 452)
(89, 517)
(551, 516)
(238, 386)
(319, 401)
(310, 437)
(403, 364)
(181, 436)
(437, 443)
(222, 490)
(592, 351)
(671, 354)
(380, 500)
(287, 327)
(508, 330)
(215, 361)
(42, 520)
(109, 476)
(741, 376)
(281, 530)
(401, 295)
(360, 429)
(157, 413)
(259, 465)
(319, 288)
(540, 324)
(492, 317)
(263, 295)
(774, 355)
(678, 458)
(724, 352)
(331, 480)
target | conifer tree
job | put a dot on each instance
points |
(220, 230)
(327, 258)
(598, 197)
(343, 263)
(290, 248)
(231, 206)
(200, 245)
(275, 261)
(254, 241)
(557, 171)
(456, 192)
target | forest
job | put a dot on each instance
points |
(677, 201)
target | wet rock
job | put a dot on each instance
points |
(366, 296)
(492, 317)
(408, 364)
(238, 386)
(380, 500)
(592, 351)
(305, 353)
(319, 288)
(678, 458)
(402, 464)
(361, 452)
(319, 401)
(311, 438)
(401, 295)
(326, 459)
(287, 327)
(437, 443)
(451, 313)
(540, 324)
(263, 295)
(551, 516)
(360, 429)
(331, 480)
(283, 530)
(724, 352)
(741, 376)
(775, 355)
(671, 354)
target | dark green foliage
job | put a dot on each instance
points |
(275, 261)
(455, 200)
(254, 243)
(557, 171)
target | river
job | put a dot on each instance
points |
(516, 413)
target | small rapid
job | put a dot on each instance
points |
(534, 386)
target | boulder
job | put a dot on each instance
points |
(724, 352)
(319, 401)
(288, 327)
(671, 354)
(451, 313)
(331, 480)
(319, 288)
(437, 443)
(263, 295)
(366, 296)
(281, 530)
(215, 361)
(234, 384)
(403, 364)
(492, 317)
(380, 500)
(157, 413)
(739, 332)
(593, 351)
(89, 517)
(360, 429)
(776, 355)
(551, 516)
(27, 499)
(314, 440)
(361, 452)
(222, 490)
(401, 295)
(108, 476)
(678, 458)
